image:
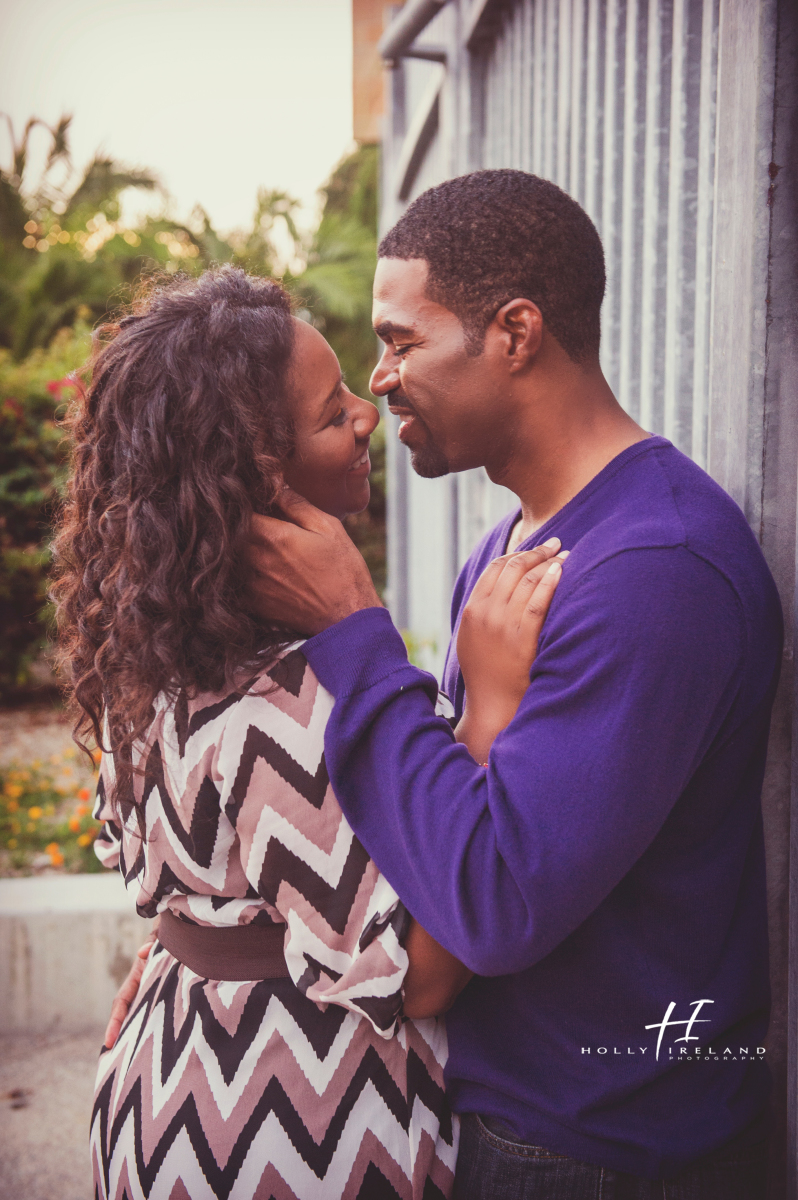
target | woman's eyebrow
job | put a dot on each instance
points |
(329, 399)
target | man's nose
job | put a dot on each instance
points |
(385, 376)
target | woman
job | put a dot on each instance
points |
(265, 1053)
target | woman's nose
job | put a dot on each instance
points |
(366, 420)
(385, 376)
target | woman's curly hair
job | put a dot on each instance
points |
(178, 439)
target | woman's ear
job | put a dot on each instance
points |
(519, 324)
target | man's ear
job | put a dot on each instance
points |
(519, 324)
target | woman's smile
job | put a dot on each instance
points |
(362, 464)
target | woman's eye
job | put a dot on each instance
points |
(339, 417)
(402, 350)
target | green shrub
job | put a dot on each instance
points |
(33, 459)
(70, 261)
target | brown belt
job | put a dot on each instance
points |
(235, 952)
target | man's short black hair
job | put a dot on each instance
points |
(492, 236)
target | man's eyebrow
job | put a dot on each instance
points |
(387, 329)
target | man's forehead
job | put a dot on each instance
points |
(400, 299)
(401, 275)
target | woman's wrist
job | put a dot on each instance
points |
(482, 723)
(493, 711)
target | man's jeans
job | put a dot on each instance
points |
(490, 1166)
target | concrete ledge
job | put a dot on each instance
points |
(66, 944)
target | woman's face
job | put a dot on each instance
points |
(330, 464)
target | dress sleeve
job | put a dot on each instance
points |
(345, 923)
(108, 843)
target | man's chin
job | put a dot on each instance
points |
(429, 462)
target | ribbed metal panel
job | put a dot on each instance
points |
(614, 100)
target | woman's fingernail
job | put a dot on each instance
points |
(553, 543)
(563, 553)
(554, 569)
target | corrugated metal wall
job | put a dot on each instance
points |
(615, 102)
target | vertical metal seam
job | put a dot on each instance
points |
(576, 145)
(704, 221)
(608, 197)
(591, 114)
(674, 295)
(648, 264)
(563, 25)
(628, 212)
(537, 91)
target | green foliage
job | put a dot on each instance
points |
(336, 288)
(336, 284)
(32, 471)
(419, 648)
(45, 820)
(67, 262)
(56, 261)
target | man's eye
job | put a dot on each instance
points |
(339, 417)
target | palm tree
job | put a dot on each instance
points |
(49, 273)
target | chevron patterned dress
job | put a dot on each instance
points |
(311, 1087)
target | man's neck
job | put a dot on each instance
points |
(560, 447)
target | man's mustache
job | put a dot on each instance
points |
(398, 399)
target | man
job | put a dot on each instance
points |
(604, 875)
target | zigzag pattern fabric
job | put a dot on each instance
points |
(291, 1089)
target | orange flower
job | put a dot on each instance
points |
(97, 755)
(14, 790)
(74, 824)
(34, 813)
(13, 805)
(85, 839)
(57, 860)
(52, 848)
(84, 794)
(81, 810)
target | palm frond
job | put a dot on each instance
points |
(60, 146)
(104, 179)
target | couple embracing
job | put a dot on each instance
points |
(570, 865)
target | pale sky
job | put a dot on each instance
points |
(217, 97)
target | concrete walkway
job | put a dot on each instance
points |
(47, 1079)
(46, 1089)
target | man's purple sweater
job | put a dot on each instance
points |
(609, 863)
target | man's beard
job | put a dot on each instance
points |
(429, 461)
